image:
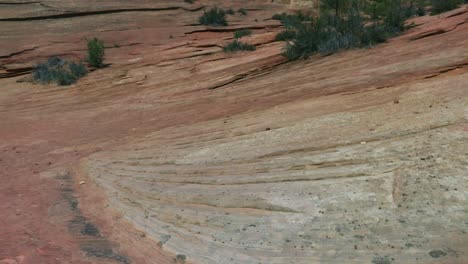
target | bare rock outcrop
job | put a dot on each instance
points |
(178, 152)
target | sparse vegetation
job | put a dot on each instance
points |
(440, 6)
(213, 17)
(59, 70)
(237, 45)
(180, 258)
(96, 53)
(292, 21)
(285, 35)
(189, 1)
(242, 11)
(381, 260)
(230, 11)
(242, 33)
(345, 24)
(342, 24)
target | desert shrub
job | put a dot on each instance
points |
(378, 33)
(237, 45)
(292, 20)
(189, 1)
(213, 17)
(278, 16)
(42, 74)
(96, 53)
(285, 35)
(381, 260)
(394, 13)
(78, 69)
(230, 11)
(336, 42)
(58, 70)
(306, 41)
(64, 78)
(421, 11)
(46, 72)
(180, 258)
(343, 24)
(242, 11)
(440, 6)
(242, 33)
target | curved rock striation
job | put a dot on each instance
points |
(177, 152)
(362, 159)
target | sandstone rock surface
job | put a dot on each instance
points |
(190, 153)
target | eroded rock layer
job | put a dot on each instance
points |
(179, 152)
(363, 158)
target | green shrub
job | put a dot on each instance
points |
(440, 6)
(394, 13)
(230, 11)
(242, 11)
(292, 20)
(346, 24)
(381, 260)
(285, 35)
(337, 41)
(77, 69)
(214, 17)
(64, 78)
(236, 45)
(378, 33)
(278, 16)
(343, 24)
(242, 32)
(58, 70)
(96, 52)
(305, 42)
(421, 11)
(42, 74)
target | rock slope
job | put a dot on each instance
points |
(187, 154)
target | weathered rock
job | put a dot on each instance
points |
(192, 155)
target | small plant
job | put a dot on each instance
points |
(242, 11)
(381, 260)
(180, 258)
(58, 70)
(214, 17)
(96, 52)
(230, 11)
(242, 33)
(285, 35)
(236, 45)
(189, 1)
